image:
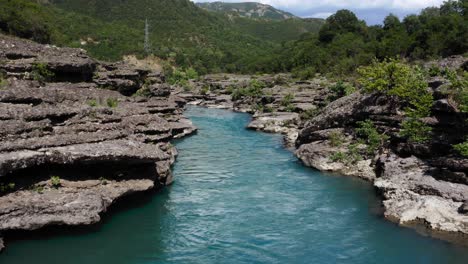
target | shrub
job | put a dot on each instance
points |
(38, 188)
(143, 92)
(373, 139)
(55, 181)
(336, 139)
(351, 156)
(304, 73)
(103, 181)
(237, 94)
(93, 103)
(191, 73)
(434, 70)
(462, 148)
(310, 113)
(4, 188)
(340, 89)
(3, 81)
(180, 77)
(354, 154)
(415, 130)
(204, 90)
(287, 100)
(394, 78)
(112, 102)
(338, 157)
(458, 89)
(41, 73)
(253, 90)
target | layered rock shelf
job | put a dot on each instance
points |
(73, 140)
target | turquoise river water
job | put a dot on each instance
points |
(240, 197)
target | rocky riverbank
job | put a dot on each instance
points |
(75, 136)
(421, 184)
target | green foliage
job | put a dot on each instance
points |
(351, 156)
(415, 130)
(344, 43)
(180, 32)
(373, 139)
(143, 92)
(458, 89)
(336, 139)
(462, 148)
(3, 81)
(5, 188)
(55, 182)
(395, 78)
(112, 102)
(93, 103)
(205, 90)
(181, 77)
(41, 73)
(338, 157)
(103, 181)
(187, 36)
(191, 74)
(340, 89)
(38, 188)
(253, 90)
(287, 102)
(309, 113)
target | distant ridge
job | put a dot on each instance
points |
(247, 9)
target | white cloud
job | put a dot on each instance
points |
(321, 15)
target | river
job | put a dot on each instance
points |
(240, 197)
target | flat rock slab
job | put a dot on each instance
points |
(75, 203)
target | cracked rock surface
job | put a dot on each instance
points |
(73, 144)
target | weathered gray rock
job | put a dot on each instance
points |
(74, 203)
(19, 57)
(159, 90)
(318, 155)
(463, 209)
(82, 132)
(411, 195)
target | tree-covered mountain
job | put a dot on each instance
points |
(188, 36)
(180, 31)
(344, 43)
(247, 9)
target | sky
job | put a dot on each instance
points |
(372, 11)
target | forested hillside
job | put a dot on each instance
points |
(188, 36)
(345, 42)
(180, 32)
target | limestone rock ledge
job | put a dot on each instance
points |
(412, 196)
(74, 203)
(74, 136)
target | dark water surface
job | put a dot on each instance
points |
(240, 197)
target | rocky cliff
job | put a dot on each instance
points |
(75, 136)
